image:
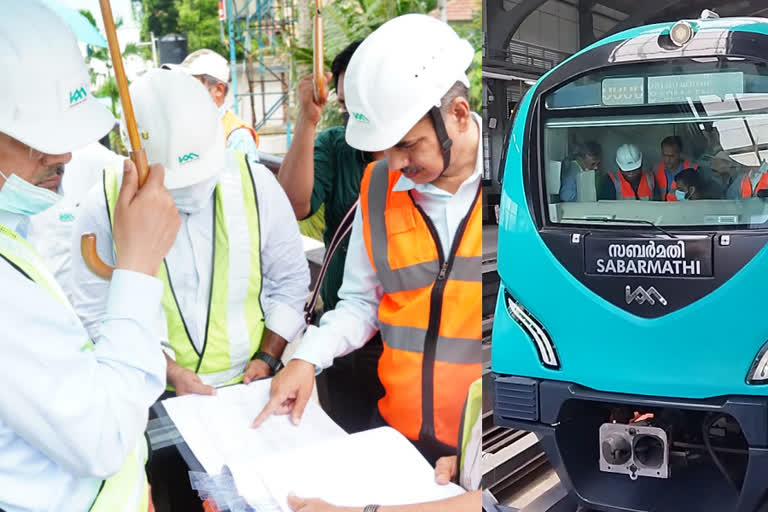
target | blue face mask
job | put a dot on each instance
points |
(20, 196)
(680, 195)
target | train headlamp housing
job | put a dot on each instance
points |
(758, 372)
(681, 33)
(535, 331)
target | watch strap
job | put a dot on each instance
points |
(274, 363)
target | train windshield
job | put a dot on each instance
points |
(674, 143)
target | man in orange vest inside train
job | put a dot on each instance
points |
(671, 164)
(213, 72)
(413, 264)
(752, 180)
(630, 181)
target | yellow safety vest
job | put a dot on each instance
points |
(470, 438)
(235, 319)
(127, 490)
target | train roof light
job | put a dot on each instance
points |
(681, 33)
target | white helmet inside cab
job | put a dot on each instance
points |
(179, 127)
(629, 157)
(396, 77)
(45, 91)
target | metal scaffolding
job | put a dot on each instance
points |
(271, 26)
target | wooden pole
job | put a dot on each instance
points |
(138, 156)
(137, 153)
(320, 87)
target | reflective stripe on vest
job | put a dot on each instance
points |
(430, 313)
(230, 122)
(471, 438)
(746, 185)
(624, 189)
(127, 490)
(662, 178)
(235, 320)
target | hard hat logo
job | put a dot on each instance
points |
(360, 117)
(188, 158)
(77, 96)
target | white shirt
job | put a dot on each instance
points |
(285, 273)
(354, 320)
(50, 232)
(70, 418)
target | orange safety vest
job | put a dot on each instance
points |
(231, 122)
(668, 194)
(430, 313)
(746, 185)
(625, 191)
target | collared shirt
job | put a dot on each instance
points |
(355, 319)
(69, 417)
(285, 273)
(241, 140)
(50, 232)
(338, 169)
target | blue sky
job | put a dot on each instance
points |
(120, 8)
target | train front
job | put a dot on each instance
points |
(632, 318)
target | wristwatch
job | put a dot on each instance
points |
(274, 363)
(371, 508)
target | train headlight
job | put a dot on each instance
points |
(538, 334)
(680, 33)
(758, 373)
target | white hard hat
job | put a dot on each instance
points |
(397, 74)
(629, 157)
(204, 62)
(45, 92)
(179, 126)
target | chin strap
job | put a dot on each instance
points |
(442, 136)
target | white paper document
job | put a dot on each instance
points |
(315, 459)
(218, 431)
(218, 428)
(375, 466)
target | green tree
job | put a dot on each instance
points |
(199, 21)
(160, 17)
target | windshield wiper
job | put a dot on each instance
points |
(622, 221)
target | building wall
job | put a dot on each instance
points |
(555, 25)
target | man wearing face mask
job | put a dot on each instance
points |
(72, 411)
(50, 232)
(324, 171)
(413, 266)
(236, 277)
(690, 185)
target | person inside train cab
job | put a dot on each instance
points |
(672, 163)
(586, 157)
(629, 181)
(690, 185)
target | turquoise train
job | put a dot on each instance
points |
(631, 326)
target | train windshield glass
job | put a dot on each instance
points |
(675, 143)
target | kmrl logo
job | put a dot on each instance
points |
(188, 157)
(360, 117)
(77, 96)
(641, 296)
